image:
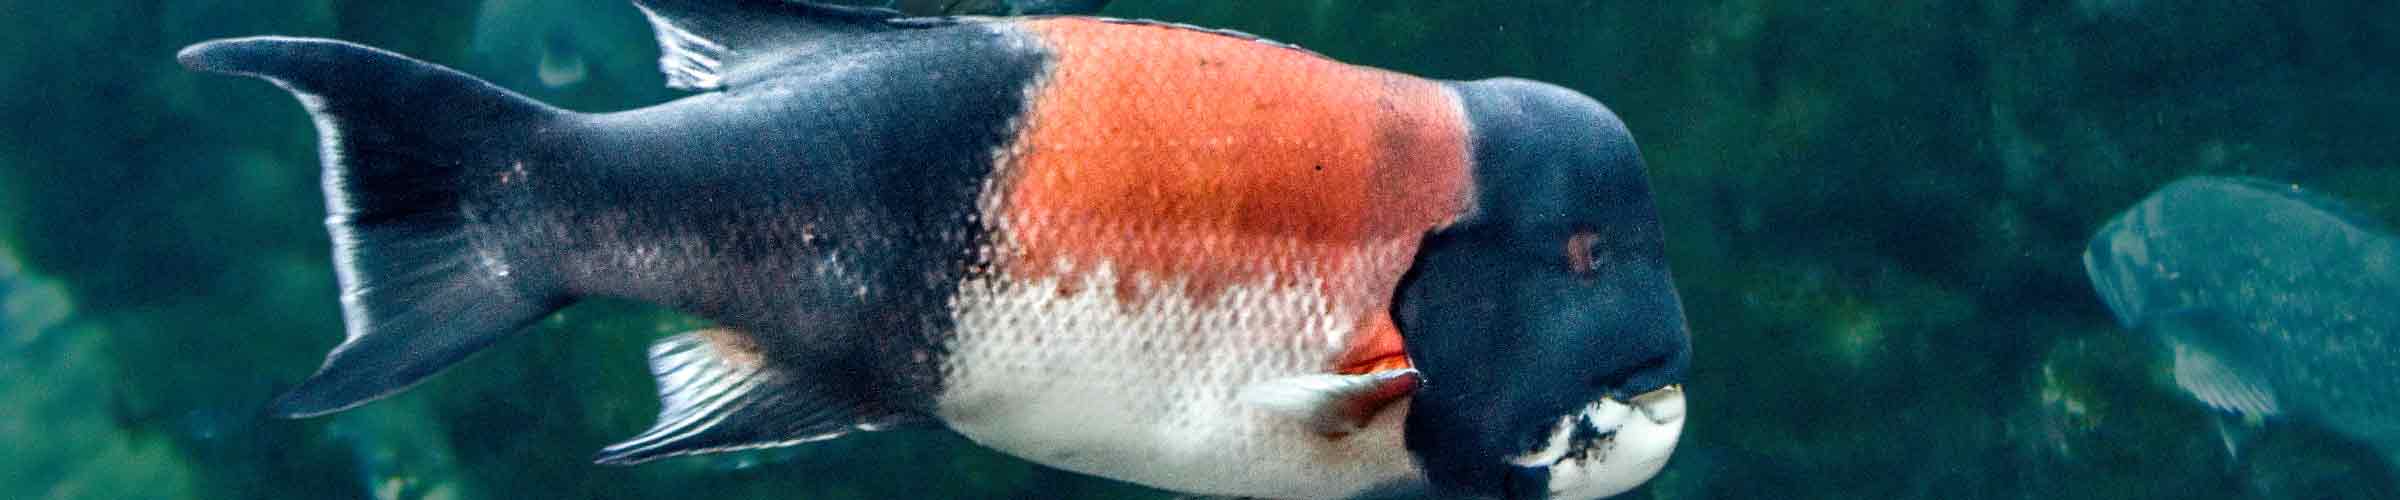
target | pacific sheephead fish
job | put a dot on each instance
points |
(1190, 259)
(2270, 300)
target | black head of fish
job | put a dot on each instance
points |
(1548, 298)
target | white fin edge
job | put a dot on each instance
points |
(690, 61)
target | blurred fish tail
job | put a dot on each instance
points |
(411, 153)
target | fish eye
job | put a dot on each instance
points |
(1583, 255)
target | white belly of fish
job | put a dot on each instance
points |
(1147, 392)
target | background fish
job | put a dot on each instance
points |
(2272, 301)
(1185, 258)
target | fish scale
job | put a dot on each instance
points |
(1165, 418)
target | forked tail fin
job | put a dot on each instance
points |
(408, 148)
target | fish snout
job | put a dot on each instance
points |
(2111, 259)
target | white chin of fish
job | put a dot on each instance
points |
(1636, 437)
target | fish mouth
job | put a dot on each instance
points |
(2110, 261)
(1606, 448)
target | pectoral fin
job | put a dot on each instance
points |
(2224, 386)
(717, 393)
(1331, 404)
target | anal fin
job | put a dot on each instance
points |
(717, 393)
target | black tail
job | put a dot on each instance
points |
(407, 147)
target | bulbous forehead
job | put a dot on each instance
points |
(1547, 156)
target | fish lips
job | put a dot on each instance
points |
(1606, 447)
(1599, 461)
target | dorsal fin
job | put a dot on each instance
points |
(998, 7)
(716, 393)
(705, 44)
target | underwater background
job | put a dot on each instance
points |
(1875, 212)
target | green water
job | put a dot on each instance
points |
(1874, 213)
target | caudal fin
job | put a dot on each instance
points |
(407, 147)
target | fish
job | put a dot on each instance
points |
(1192, 259)
(2269, 301)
